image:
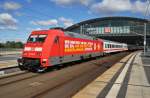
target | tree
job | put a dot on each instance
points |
(11, 44)
(1, 45)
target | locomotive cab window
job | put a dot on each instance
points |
(32, 38)
(37, 38)
(42, 38)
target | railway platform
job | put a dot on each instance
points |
(8, 63)
(129, 78)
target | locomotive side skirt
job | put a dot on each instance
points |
(70, 58)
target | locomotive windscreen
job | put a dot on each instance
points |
(37, 38)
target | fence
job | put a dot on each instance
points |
(7, 51)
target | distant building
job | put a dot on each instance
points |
(122, 29)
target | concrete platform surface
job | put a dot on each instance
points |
(8, 63)
(129, 78)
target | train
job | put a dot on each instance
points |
(53, 47)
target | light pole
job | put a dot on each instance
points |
(148, 1)
(144, 39)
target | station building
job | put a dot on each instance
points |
(128, 30)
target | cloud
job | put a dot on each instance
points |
(11, 5)
(85, 2)
(71, 2)
(7, 21)
(66, 22)
(53, 22)
(32, 29)
(139, 7)
(45, 22)
(38, 29)
(14, 28)
(114, 6)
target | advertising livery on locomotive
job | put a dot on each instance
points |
(46, 48)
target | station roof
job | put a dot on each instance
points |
(107, 18)
(125, 38)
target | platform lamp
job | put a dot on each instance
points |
(144, 39)
(145, 26)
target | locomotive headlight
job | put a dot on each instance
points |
(20, 63)
(27, 48)
(44, 59)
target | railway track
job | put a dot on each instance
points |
(8, 70)
(66, 88)
(66, 81)
(16, 78)
(75, 80)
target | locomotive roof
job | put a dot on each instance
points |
(113, 41)
(77, 35)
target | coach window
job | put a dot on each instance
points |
(107, 45)
(112, 46)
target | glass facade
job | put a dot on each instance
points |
(121, 29)
(113, 26)
(107, 30)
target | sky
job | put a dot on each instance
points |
(19, 17)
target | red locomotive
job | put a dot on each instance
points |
(45, 48)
